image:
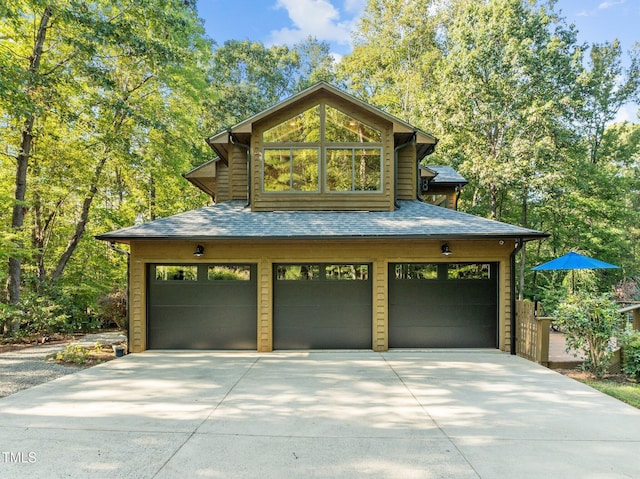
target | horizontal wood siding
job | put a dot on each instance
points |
(238, 162)
(222, 184)
(265, 253)
(328, 201)
(407, 182)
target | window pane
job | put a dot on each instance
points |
(277, 169)
(469, 271)
(348, 272)
(304, 170)
(339, 169)
(417, 271)
(298, 272)
(176, 273)
(229, 273)
(302, 128)
(367, 170)
(341, 128)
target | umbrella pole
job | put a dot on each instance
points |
(573, 281)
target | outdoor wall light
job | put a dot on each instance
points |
(445, 249)
(199, 251)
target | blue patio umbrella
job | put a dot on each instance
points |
(572, 261)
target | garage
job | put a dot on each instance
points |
(202, 306)
(443, 305)
(322, 306)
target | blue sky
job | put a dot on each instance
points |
(291, 21)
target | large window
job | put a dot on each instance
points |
(322, 149)
(353, 169)
(291, 169)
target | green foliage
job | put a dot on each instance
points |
(631, 354)
(74, 354)
(591, 322)
(40, 315)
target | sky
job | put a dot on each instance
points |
(276, 22)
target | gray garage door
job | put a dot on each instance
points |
(443, 305)
(322, 306)
(205, 306)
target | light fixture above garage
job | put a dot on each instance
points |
(199, 251)
(445, 249)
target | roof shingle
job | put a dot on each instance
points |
(233, 221)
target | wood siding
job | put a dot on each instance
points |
(267, 253)
(407, 181)
(222, 184)
(238, 171)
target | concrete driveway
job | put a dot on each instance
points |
(428, 414)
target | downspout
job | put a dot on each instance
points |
(112, 247)
(512, 342)
(248, 148)
(395, 167)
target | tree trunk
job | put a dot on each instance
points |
(22, 164)
(82, 222)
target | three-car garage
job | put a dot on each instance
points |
(322, 306)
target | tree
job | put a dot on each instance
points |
(604, 87)
(393, 59)
(246, 78)
(590, 323)
(84, 89)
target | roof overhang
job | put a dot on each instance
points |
(231, 221)
(199, 175)
(242, 131)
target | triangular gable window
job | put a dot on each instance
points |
(341, 128)
(302, 128)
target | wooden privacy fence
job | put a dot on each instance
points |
(532, 333)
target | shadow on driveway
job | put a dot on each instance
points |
(422, 414)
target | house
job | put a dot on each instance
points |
(322, 236)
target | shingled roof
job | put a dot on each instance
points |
(233, 221)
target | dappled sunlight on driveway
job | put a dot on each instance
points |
(422, 414)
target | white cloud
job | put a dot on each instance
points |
(355, 6)
(610, 3)
(316, 18)
(628, 112)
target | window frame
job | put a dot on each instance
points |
(323, 148)
(288, 146)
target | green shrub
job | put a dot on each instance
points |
(590, 323)
(73, 354)
(41, 315)
(631, 354)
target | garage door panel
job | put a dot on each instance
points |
(322, 313)
(441, 312)
(441, 337)
(202, 313)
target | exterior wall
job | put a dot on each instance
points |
(379, 201)
(238, 173)
(265, 253)
(444, 196)
(222, 184)
(407, 180)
